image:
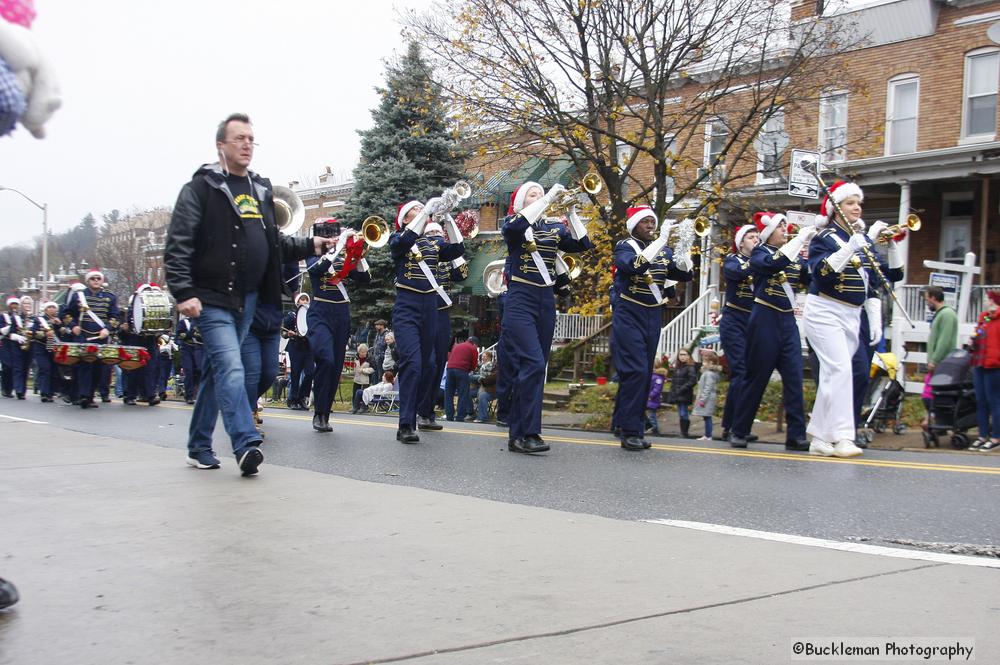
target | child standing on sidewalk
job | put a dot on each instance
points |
(682, 383)
(707, 389)
(653, 399)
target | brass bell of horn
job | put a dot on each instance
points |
(375, 231)
(289, 212)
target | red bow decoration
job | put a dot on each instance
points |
(143, 356)
(354, 251)
(92, 349)
(62, 353)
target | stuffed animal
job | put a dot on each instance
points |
(29, 92)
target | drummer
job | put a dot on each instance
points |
(46, 332)
(93, 316)
(141, 382)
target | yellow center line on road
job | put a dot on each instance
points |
(613, 443)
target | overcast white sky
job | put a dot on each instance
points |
(144, 85)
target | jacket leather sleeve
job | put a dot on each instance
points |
(295, 249)
(178, 255)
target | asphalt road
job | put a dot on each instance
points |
(884, 496)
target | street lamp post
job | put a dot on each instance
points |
(44, 207)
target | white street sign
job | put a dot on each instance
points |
(801, 181)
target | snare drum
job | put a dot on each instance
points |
(89, 351)
(301, 324)
(108, 354)
(132, 357)
(68, 353)
(152, 312)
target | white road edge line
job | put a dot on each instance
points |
(24, 420)
(859, 548)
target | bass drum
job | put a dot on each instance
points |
(301, 325)
(152, 312)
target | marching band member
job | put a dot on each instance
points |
(642, 267)
(93, 315)
(165, 366)
(456, 270)
(736, 317)
(192, 355)
(46, 330)
(529, 313)
(11, 328)
(415, 313)
(504, 369)
(773, 340)
(300, 356)
(842, 277)
(140, 383)
(329, 315)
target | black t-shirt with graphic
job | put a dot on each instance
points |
(254, 237)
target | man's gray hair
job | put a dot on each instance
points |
(220, 133)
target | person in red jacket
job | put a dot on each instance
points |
(462, 361)
(986, 374)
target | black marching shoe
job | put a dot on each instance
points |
(8, 393)
(751, 438)
(321, 422)
(405, 434)
(154, 400)
(536, 444)
(129, 401)
(800, 444)
(428, 424)
(737, 441)
(633, 443)
(20, 395)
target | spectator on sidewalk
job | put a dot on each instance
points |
(377, 351)
(708, 385)
(462, 361)
(487, 387)
(986, 374)
(942, 340)
(390, 360)
(655, 399)
(362, 376)
(682, 383)
(365, 397)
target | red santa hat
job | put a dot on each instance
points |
(433, 227)
(518, 195)
(94, 273)
(839, 192)
(635, 215)
(741, 233)
(300, 296)
(403, 209)
(49, 303)
(13, 300)
(766, 223)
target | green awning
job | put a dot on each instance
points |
(487, 193)
(533, 169)
(561, 171)
(482, 253)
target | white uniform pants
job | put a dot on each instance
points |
(832, 329)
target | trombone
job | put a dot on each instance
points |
(591, 184)
(912, 224)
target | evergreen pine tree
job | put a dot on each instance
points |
(409, 153)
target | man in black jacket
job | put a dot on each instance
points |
(223, 255)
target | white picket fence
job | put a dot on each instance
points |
(576, 326)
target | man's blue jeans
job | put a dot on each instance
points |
(224, 386)
(483, 404)
(457, 381)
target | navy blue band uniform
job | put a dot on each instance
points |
(773, 340)
(192, 356)
(142, 381)
(104, 304)
(847, 286)
(733, 327)
(415, 314)
(329, 322)
(446, 274)
(529, 314)
(301, 363)
(636, 320)
(48, 378)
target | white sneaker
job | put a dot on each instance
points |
(846, 448)
(820, 447)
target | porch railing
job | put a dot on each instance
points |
(576, 326)
(681, 330)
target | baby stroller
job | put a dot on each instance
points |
(883, 400)
(953, 406)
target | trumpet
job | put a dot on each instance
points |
(574, 264)
(375, 232)
(591, 184)
(912, 224)
(702, 226)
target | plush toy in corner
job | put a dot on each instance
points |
(29, 92)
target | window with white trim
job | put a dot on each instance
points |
(716, 135)
(623, 152)
(769, 159)
(670, 146)
(979, 103)
(901, 114)
(833, 127)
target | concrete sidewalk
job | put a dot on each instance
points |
(123, 555)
